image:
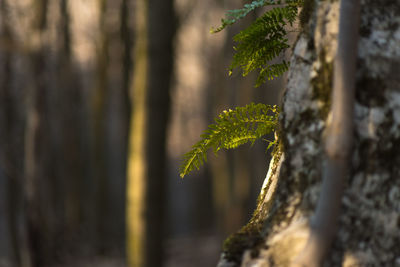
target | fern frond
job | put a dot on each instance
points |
(233, 16)
(271, 71)
(232, 128)
(264, 40)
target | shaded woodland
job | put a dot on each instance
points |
(98, 102)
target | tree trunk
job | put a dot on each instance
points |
(99, 97)
(9, 150)
(368, 230)
(150, 108)
(36, 144)
(68, 107)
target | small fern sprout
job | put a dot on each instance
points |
(232, 128)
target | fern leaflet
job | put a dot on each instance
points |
(233, 16)
(232, 128)
(264, 40)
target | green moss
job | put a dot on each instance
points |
(236, 244)
(368, 95)
(306, 12)
(322, 85)
(307, 115)
(386, 147)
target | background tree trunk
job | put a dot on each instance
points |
(150, 110)
(368, 224)
(10, 174)
(37, 154)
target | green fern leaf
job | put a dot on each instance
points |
(264, 40)
(232, 128)
(271, 71)
(233, 16)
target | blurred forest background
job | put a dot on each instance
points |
(99, 101)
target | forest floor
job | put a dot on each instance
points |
(180, 252)
(193, 252)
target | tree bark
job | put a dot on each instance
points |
(338, 143)
(367, 230)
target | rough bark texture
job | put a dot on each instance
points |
(338, 141)
(369, 228)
